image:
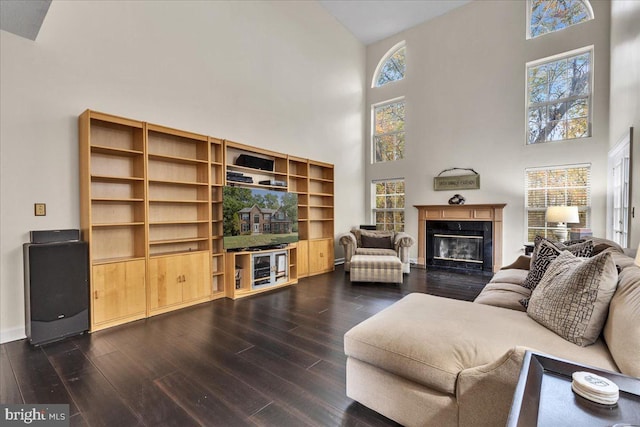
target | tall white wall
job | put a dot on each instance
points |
(625, 91)
(280, 75)
(465, 107)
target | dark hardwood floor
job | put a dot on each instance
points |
(275, 359)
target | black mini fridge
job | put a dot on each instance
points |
(56, 289)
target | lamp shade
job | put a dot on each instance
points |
(562, 214)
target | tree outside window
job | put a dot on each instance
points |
(388, 131)
(389, 205)
(559, 98)
(547, 16)
(392, 67)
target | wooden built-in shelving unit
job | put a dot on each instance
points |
(113, 216)
(151, 210)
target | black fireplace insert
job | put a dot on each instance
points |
(460, 245)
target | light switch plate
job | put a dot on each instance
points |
(40, 209)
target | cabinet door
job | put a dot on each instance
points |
(165, 284)
(118, 291)
(177, 279)
(302, 258)
(320, 256)
(195, 274)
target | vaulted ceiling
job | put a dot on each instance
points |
(373, 20)
(368, 20)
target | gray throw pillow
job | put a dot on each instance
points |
(545, 252)
(572, 299)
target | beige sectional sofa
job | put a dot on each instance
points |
(431, 361)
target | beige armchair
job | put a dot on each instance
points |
(365, 242)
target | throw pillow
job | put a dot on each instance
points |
(560, 245)
(572, 299)
(376, 242)
(388, 235)
(545, 252)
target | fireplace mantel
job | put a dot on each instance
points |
(483, 212)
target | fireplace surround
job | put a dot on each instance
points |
(462, 216)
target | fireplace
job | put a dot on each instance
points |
(464, 245)
(461, 252)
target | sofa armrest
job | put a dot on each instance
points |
(484, 393)
(522, 263)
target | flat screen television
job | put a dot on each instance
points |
(256, 218)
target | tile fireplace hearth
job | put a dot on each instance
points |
(460, 236)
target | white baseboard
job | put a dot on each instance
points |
(12, 334)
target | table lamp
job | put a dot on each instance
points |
(562, 215)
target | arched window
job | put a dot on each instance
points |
(392, 66)
(547, 16)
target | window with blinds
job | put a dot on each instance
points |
(556, 186)
(388, 213)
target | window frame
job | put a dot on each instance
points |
(375, 210)
(373, 129)
(555, 58)
(586, 4)
(383, 61)
(548, 230)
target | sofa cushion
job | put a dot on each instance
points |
(512, 275)
(600, 244)
(429, 340)
(545, 252)
(572, 299)
(505, 295)
(622, 329)
(376, 242)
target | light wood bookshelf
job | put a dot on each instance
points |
(151, 211)
(113, 216)
(320, 198)
(179, 218)
(217, 246)
(299, 184)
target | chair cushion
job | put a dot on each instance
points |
(375, 251)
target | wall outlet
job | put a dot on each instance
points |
(40, 209)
